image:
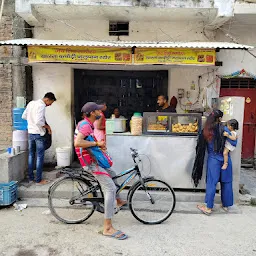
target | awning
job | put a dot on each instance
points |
(126, 44)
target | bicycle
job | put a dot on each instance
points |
(85, 196)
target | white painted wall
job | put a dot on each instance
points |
(56, 79)
(183, 77)
(234, 60)
(35, 11)
(139, 31)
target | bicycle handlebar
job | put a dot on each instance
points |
(134, 152)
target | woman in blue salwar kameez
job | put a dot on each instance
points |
(213, 134)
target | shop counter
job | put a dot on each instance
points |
(169, 158)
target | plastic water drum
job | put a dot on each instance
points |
(63, 156)
(20, 138)
(18, 122)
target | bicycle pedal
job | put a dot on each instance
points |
(117, 210)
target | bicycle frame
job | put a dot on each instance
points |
(134, 172)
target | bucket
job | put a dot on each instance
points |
(18, 122)
(20, 139)
(63, 156)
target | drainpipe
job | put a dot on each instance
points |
(1, 10)
(18, 68)
(18, 75)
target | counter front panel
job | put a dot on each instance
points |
(168, 158)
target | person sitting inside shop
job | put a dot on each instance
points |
(163, 105)
(117, 114)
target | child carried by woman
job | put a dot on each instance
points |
(231, 134)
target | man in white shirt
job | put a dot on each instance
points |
(37, 126)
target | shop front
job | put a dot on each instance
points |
(130, 76)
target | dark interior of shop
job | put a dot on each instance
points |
(130, 91)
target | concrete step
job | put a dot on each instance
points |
(35, 191)
(194, 197)
(181, 207)
(48, 174)
(247, 165)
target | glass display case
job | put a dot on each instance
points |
(171, 123)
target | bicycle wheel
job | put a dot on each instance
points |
(153, 202)
(65, 200)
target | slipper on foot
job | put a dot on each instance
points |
(119, 235)
(202, 209)
(225, 209)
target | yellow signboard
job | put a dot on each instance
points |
(79, 54)
(174, 56)
(108, 55)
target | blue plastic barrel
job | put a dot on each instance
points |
(18, 122)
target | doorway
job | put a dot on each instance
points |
(244, 87)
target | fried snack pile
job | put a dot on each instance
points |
(184, 128)
(156, 127)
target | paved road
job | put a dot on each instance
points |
(32, 233)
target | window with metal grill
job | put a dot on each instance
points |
(118, 28)
(243, 83)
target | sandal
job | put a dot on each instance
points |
(225, 209)
(42, 182)
(203, 209)
(119, 235)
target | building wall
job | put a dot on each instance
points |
(234, 60)
(5, 84)
(12, 72)
(139, 31)
(56, 79)
(184, 78)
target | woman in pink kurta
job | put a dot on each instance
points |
(100, 125)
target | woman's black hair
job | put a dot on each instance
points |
(210, 124)
(234, 124)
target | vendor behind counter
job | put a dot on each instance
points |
(117, 114)
(163, 105)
